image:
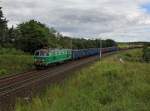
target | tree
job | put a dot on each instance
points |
(33, 35)
(3, 28)
(146, 53)
(12, 34)
(110, 43)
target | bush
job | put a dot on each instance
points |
(14, 61)
(11, 51)
(3, 72)
(146, 54)
(33, 36)
(133, 55)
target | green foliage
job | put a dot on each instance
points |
(106, 86)
(110, 43)
(81, 43)
(33, 36)
(10, 51)
(14, 61)
(146, 53)
(3, 72)
(132, 55)
(123, 45)
(3, 28)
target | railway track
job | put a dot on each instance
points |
(11, 85)
(16, 82)
(29, 83)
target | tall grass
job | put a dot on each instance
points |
(14, 61)
(132, 55)
(123, 45)
(106, 86)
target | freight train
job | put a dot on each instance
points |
(46, 57)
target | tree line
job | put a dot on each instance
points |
(146, 52)
(32, 35)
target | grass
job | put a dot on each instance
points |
(106, 86)
(123, 45)
(14, 61)
(132, 55)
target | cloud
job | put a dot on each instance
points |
(122, 20)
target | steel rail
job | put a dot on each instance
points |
(45, 74)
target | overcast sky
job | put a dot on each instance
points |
(121, 20)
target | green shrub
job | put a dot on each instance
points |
(146, 54)
(133, 55)
(14, 61)
(3, 71)
(11, 51)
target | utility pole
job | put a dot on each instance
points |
(100, 54)
(71, 44)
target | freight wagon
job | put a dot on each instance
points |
(77, 54)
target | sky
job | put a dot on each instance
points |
(121, 20)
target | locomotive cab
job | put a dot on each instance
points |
(40, 57)
(42, 52)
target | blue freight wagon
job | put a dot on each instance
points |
(77, 54)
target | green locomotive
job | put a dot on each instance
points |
(44, 57)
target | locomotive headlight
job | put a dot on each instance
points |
(43, 60)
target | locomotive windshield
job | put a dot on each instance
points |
(41, 53)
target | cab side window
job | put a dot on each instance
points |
(37, 53)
